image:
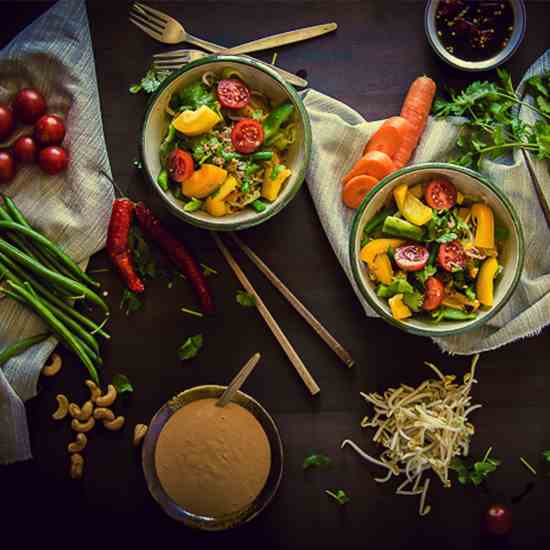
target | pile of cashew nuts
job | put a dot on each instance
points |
(84, 418)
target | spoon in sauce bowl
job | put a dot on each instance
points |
(238, 381)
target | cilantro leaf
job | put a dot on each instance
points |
(143, 259)
(339, 496)
(191, 347)
(316, 460)
(425, 273)
(150, 82)
(537, 84)
(193, 205)
(122, 384)
(245, 299)
(399, 285)
(546, 455)
(130, 303)
(414, 300)
(475, 473)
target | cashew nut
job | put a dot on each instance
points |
(62, 407)
(95, 392)
(115, 424)
(78, 426)
(53, 365)
(108, 399)
(139, 433)
(77, 466)
(81, 413)
(79, 444)
(102, 413)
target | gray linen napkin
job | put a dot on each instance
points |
(339, 135)
(54, 54)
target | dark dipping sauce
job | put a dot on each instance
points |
(472, 30)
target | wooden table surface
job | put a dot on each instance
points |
(379, 48)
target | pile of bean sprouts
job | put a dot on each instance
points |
(422, 429)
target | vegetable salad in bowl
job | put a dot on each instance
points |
(435, 254)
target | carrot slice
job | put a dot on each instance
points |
(416, 108)
(378, 164)
(356, 189)
(389, 136)
(359, 168)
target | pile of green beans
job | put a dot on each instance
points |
(35, 272)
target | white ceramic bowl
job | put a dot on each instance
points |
(260, 77)
(468, 182)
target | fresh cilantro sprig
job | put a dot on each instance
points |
(191, 347)
(316, 460)
(122, 384)
(245, 299)
(339, 496)
(150, 83)
(546, 455)
(477, 472)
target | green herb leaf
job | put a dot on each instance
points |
(546, 455)
(276, 170)
(245, 299)
(399, 285)
(150, 82)
(130, 302)
(425, 273)
(193, 205)
(143, 259)
(475, 473)
(339, 496)
(191, 347)
(536, 82)
(316, 460)
(470, 293)
(135, 88)
(414, 300)
(122, 384)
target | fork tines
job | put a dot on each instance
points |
(150, 21)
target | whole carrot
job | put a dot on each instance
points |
(416, 108)
(177, 252)
(117, 243)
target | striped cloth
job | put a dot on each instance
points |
(339, 135)
(54, 55)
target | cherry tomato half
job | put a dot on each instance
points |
(247, 135)
(498, 520)
(411, 257)
(440, 194)
(434, 294)
(233, 94)
(180, 165)
(451, 256)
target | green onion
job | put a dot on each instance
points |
(21, 346)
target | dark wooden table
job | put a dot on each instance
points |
(378, 50)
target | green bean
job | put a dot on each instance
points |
(259, 205)
(21, 346)
(251, 169)
(259, 155)
(162, 180)
(52, 276)
(57, 326)
(245, 185)
(377, 221)
(52, 299)
(276, 119)
(457, 315)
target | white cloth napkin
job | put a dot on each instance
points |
(54, 54)
(339, 135)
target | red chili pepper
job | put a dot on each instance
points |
(177, 252)
(117, 243)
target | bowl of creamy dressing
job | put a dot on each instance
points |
(210, 467)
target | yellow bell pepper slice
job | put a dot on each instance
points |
(376, 247)
(194, 123)
(459, 198)
(415, 211)
(215, 204)
(399, 310)
(272, 187)
(382, 269)
(204, 181)
(399, 194)
(485, 281)
(485, 225)
(215, 208)
(417, 191)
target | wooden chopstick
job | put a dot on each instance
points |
(294, 358)
(310, 319)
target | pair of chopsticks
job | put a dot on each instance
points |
(294, 358)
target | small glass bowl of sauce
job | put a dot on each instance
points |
(475, 35)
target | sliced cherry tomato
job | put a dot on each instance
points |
(440, 194)
(411, 257)
(180, 165)
(247, 135)
(434, 294)
(451, 256)
(498, 520)
(233, 94)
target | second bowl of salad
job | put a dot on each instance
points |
(226, 142)
(436, 249)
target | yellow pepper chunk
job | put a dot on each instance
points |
(485, 281)
(399, 310)
(459, 198)
(376, 247)
(215, 204)
(194, 123)
(272, 187)
(204, 181)
(485, 225)
(215, 208)
(415, 211)
(382, 269)
(417, 191)
(399, 194)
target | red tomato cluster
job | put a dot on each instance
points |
(43, 147)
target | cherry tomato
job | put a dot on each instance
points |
(29, 105)
(440, 194)
(7, 167)
(451, 256)
(53, 159)
(498, 520)
(233, 94)
(49, 130)
(434, 294)
(247, 135)
(180, 165)
(6, 122)
(411, 257)
(25, 149)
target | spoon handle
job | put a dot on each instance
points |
(238, 381)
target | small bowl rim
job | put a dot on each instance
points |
(359, 277)
(275, 207)
(484, 64)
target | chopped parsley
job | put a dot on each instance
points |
(316, 460)
(150, 83)
(191, 347)
(122, 384)
(245, 299)
(477, 472)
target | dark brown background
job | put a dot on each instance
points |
(368, 63)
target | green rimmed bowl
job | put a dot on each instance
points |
(260, 77)
(468, 182)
